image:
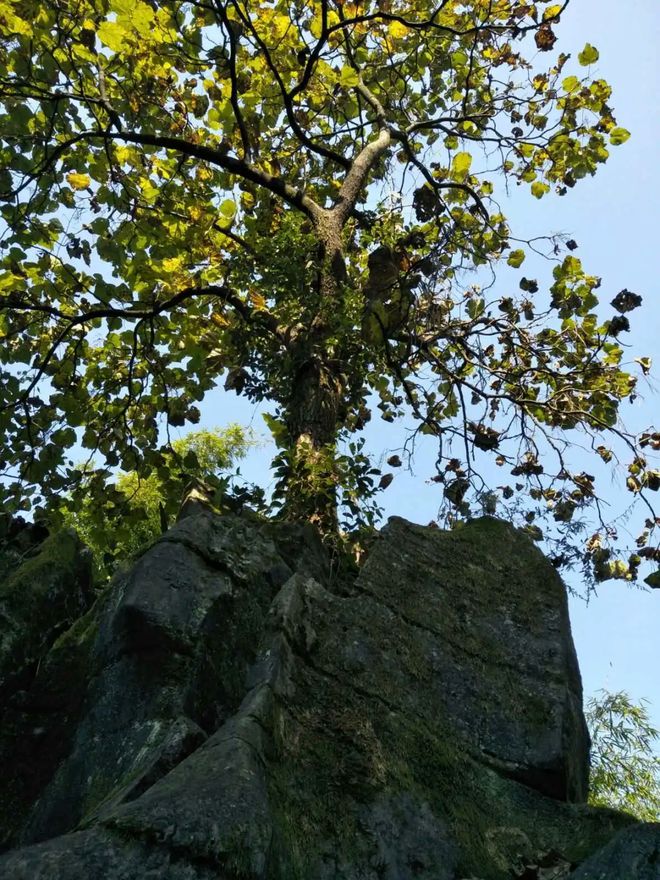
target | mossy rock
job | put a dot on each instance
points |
(39, 600)
(38, 723)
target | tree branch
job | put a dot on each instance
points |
(241, 168)
(356, 177)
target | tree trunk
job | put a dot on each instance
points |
(314, 412)
(311, 491)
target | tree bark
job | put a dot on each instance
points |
(315, 408)
(313, 428)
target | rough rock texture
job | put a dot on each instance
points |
(634, 854)
(482, 626)
(44, 587)
(231, 708)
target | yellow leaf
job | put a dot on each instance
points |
(539, 189)
(398, 30)
(172, 264)
(258, 301)
(551, 11)
(219, 320)
(78, 181)
(123, 154)
(461, 164)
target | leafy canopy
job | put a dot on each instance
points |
(291, 196)
(135, 510)
(625, 767)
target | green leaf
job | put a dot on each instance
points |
(459, 58)
(140, 15)
(571, 84)
(589, 55)
(112, 35)
(619, 136)
(64, 437)
(228, 209)
(348, 77)
(460, 165)
(539, 189)
(653, 580)
(475, 307)
(110, 227)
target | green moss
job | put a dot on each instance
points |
(332, 762)
(71, 652)
(59, 553)
(494, 820)
(342, 751)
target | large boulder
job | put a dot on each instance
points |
(164, 656)
(483, 641)
(243, 709)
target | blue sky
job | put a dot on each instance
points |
(615, 220)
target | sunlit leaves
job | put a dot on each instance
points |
(619, 135)
(589, 55)
(78, 181)
(135, 509)
(625, 769)
(228, 209)
(571, 84)
(552, 11)
(161, 237)
(348, 77)
(112, 34)
(516, 258)
(12, 22)
(460, 165)
(539, 189)
(134, 13)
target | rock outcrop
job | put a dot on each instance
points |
(45, 585)
(233, 708)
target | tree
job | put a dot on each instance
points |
(136, 510)
(292, 196)
(625, 770)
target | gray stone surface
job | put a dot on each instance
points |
(482, 621)
(88, 855)
(233, 708)
(634, 854)
(162, 658)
